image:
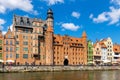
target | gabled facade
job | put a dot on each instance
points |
(90, 52)
(109, 44)
(9, 47)
(97, 53)
(106, 50)
(103, 52)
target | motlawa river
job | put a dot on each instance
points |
(67, 75)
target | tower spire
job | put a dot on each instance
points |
(50, 13)
(50, 20)
(84, 34)
(9, 29)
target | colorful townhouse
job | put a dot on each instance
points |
(104, 48)
(90, 52)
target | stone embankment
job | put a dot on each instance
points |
(55, 68)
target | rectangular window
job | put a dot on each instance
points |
(6, 55)
(11, 42)
(17, 55)
(6, 48)
(17, 48)
(16, 36)
(6, 42)
(17, 42)
(25, 37)
(25, 30)
(10, 55)
(16, 29)
(25, 56)
(25, 49)
(10, 48)
(25, 43)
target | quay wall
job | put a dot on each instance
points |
(55, 68)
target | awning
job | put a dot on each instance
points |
(10, 61)
(1, 60)
(106, 61)
(90, 62)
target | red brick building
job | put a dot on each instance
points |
(34, 42)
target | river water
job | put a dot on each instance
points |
(68, 75)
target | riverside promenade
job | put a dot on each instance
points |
(55, 68)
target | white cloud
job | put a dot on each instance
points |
(75, 14)
(2, 21)
(24, 5)
(70, 26)
(101, 18)
(116, 2)
(53, 2)
(4, 32)
(91, 16)
(112, 16)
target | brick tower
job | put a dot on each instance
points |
(49, 38)
(84, 41)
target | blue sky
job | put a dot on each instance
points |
(99, 18)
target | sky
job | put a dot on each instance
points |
(99, 18)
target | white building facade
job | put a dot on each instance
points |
(109, 44)
(106, 50)
(104, 55)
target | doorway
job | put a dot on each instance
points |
(66, 62)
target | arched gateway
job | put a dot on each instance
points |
(66, 62)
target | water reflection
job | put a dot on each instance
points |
(72, 75)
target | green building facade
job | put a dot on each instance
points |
(90, 52)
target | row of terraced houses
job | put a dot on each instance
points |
(32, 42)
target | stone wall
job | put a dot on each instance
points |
(55, 68)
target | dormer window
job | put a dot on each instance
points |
(21, 21)
(28, 22)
